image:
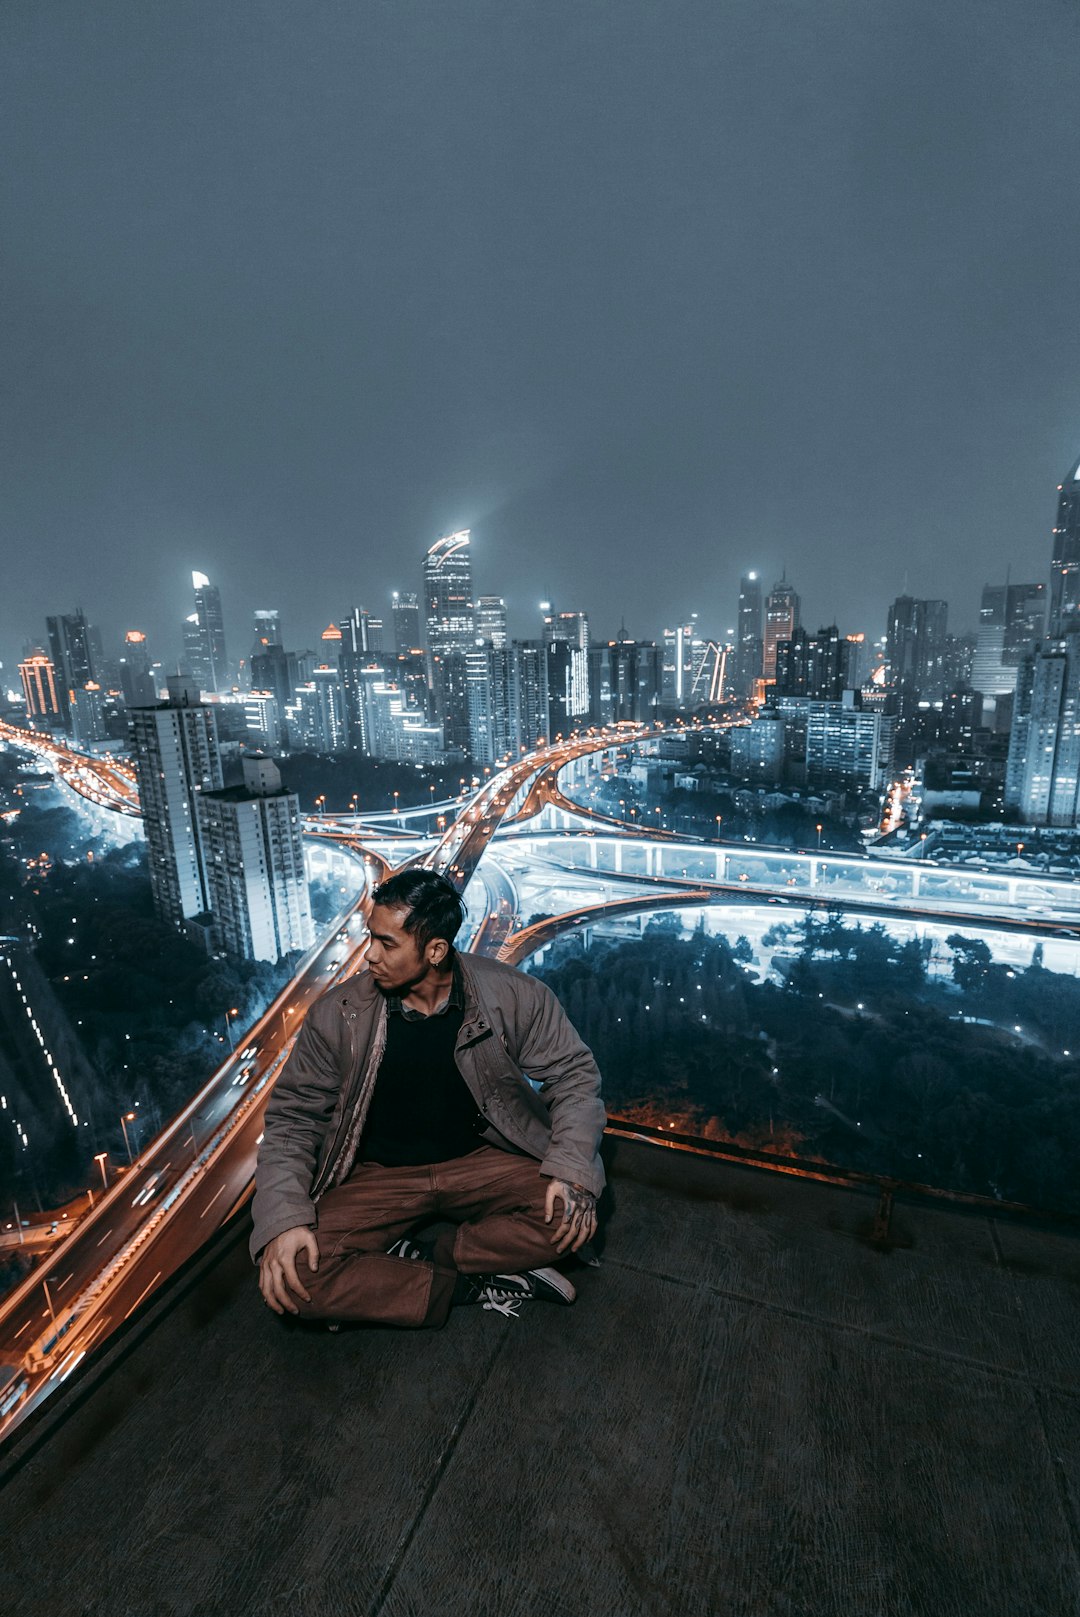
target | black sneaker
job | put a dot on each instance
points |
(506, 1293)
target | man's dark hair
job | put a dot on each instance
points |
(434, 907)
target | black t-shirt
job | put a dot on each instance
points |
(421, 1108)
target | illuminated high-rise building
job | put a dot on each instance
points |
(680, 650)
(405, 615)
(813, 665)
(451, 631)
(361, 634)
(781, 621)
(175, 748)
(254, 853)
(204, 637)
(266, 630)
(72, 642)
(1042, 778)
(137, 680)
(316, 716)
(43, 707)
(624, 681)
(1011, 618)
(491, 620)
(749, 644)
(916, 641)
(1064, 615)
(88, 722)
(529, 694)
(490, 670)
(568, 691)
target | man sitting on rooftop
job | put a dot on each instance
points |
(404, 1101)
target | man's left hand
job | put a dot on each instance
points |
(578, 1222)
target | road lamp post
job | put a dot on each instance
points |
(125, 1119)
(229, 1027)
(719, 817)
(100, 1160)
(817, 828)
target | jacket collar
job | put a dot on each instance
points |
(360, 993)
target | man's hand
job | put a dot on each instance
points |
(277, 1268)
(578, 1222)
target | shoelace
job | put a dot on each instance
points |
(503, 1302)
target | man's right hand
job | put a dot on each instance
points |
(277, 1268)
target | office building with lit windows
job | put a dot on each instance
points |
(451, 631)
(1064, 613)
(915, 637)
(679, 649)
(567, 668)
(781, 621)
(137, 680)
(72, 644)
(1042, 774)
(749, 644)
(204, 637)
(405, 616)
(41, 691)
(174, 745)
(254, 857)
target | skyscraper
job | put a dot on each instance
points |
(266, 630)
(71, 641)
(489, 670)
(1065, 564)
(43, 707)
(916, 641)
(405, 613)
(749, 646)
(1042, 778)
(451, 631)
(204, 637)
(530, 694)
(568, 698)
(678, 649)
(1011, 620)
(254, 854)
(316, 716)
(813, 665)
(491, 620)
(175, 749)
(624, 681)
(137, 680)
(781, 621)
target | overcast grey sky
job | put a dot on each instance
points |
(644, 294)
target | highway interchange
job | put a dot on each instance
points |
(199, 1170)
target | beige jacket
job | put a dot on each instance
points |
(512, 1026)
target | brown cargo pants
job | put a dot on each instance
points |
(495, 1199)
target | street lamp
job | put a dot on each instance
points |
(229, 1026)
(818, 830)
(100, 1160)
(719, 817)
(125, 1119)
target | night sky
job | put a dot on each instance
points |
(646, 294)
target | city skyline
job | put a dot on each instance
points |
(525, 620)
(308, 293)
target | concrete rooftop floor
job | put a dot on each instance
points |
(752, 1410)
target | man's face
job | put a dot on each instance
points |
(394, 958)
